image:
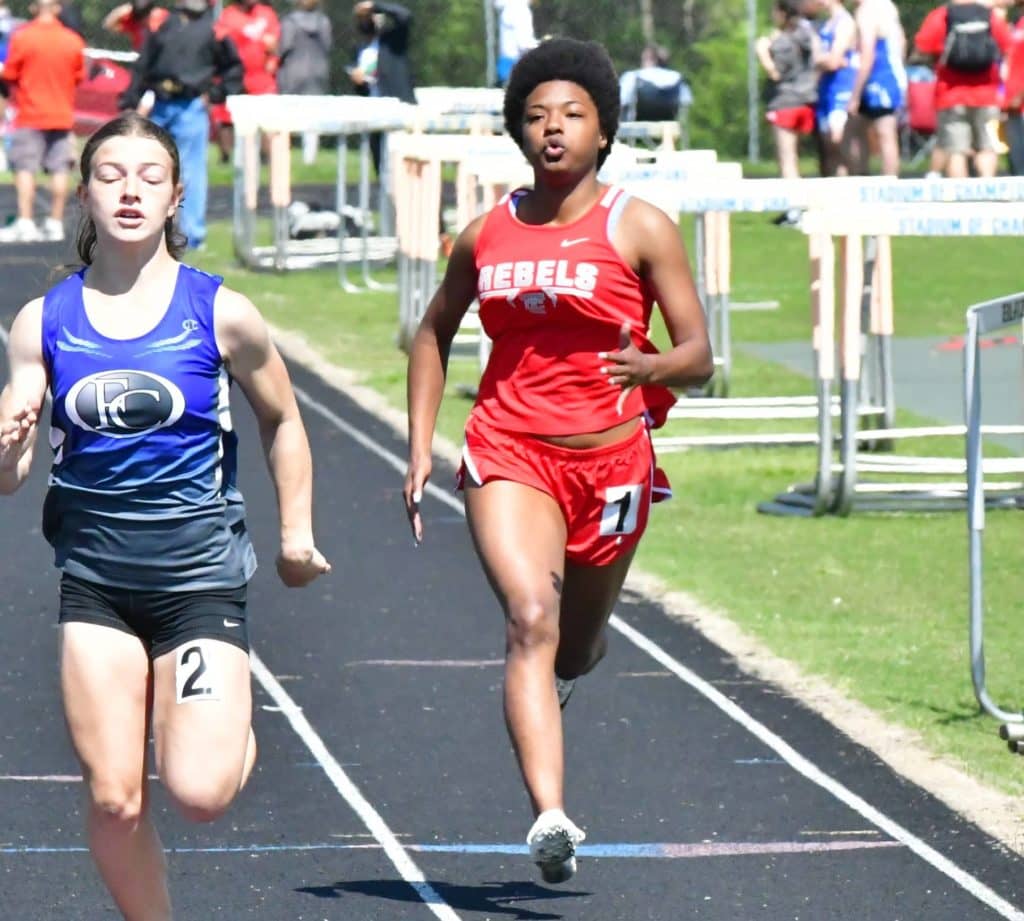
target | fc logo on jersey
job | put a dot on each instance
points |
(122, 404)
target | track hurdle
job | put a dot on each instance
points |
(981, 319)
(279, 117)
(418, 164)
(837, 486)
(877, 399)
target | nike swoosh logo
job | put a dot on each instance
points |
(568, 243)
(232, 623)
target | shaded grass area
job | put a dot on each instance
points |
(875, 603)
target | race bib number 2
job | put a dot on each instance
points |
(195, 672)
(621, 509)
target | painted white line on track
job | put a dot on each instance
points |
(344, 785)
(411, 873)
(792, 757)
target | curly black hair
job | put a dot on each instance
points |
(584, 63)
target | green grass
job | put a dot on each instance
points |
(876, 603)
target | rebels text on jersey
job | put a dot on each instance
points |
(551, 299)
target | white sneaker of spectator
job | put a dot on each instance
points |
(53, 229)
(23, 230)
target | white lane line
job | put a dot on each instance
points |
(344, 785)
(350, 792)
(797, 761)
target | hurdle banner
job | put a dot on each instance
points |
(836, 487)
(724, 197)
(983, 319)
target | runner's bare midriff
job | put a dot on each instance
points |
(585, 440)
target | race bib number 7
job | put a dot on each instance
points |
(621, 508)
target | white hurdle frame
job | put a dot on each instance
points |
(836, 487)
(981, 319)
(419, 161)
(714, 201)
(279, 117)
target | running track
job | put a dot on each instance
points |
(386, 788)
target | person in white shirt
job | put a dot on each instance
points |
(515, 34)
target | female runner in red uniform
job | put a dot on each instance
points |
(558, 469)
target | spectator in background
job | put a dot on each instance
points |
(382, 62)
(879, 88)
(136, 20)
(304, 69)
(45, 62)
(187, 66)
(382, 65)
(8, 23)
(787, 55)
(966, 40)
(837, 67)
(71, 16)
(1013, 98)
(655, 92)
(255, 31)
(515, 34)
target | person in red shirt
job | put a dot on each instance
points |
(1013, 95)
(135, 19)
(967, 100)
(256, 32)
(45, 62)
(559, 472)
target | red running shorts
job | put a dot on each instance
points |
(605, 493)
(800, 119)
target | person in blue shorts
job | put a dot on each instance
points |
(139, 352)
(879, 88)
(836, 61)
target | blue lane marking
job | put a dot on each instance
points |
(655, 850)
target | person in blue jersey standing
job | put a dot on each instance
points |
(879, 88)
(836, 61)
(148, 527)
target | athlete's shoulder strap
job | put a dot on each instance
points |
(615, 201)
(68, 291)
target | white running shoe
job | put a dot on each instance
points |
(53, 229)
(23, 230)
(564, 688)
(552, 840)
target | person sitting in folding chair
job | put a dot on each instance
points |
(654, 92)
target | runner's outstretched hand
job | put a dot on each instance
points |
(299, 562)
(16, 435)
(415, 480)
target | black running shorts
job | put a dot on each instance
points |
(162, 620)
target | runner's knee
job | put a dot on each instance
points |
(531, 624)
(116, 803)
(571, 663)
(206, 798)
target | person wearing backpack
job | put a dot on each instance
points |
(967, 40)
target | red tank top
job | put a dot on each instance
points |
(552, 298)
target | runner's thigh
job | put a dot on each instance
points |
(104, 676)
(519, 533)
(202, 710)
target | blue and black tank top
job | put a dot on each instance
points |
(143, 491)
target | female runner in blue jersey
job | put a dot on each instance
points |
(138, 352)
